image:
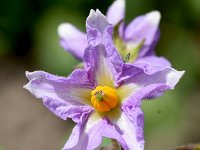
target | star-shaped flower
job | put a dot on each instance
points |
(135, 42)
(104, 98)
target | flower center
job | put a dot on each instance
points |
(104, 98)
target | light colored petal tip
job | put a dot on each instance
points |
(97, 27)
(26, 73)
(72, 39)
(96, 20)
(93, 14)
(65, 30)
(116, 12)
(26, 87)
(154, 17)
(173, 78)
(99, 12)
(120, 4)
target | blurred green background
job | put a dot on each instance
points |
(29, 41)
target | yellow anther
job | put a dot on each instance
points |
(104, 98)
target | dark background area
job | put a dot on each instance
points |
(29, 41)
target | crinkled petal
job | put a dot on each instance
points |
(89, 137)
(152, 64)
(116, 12)
(99, 31)
(130, 125)
(125, 126)
(144, 28)
(59, 93)
(74, 138)
(72, 40)
(64, 111)
(100, 67)
(97, 27)
(133, 74)
(149, 85)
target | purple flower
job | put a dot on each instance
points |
(136, 40)
(75, 41)
(104, 98)
(141, 28)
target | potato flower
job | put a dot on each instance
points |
(103, 98)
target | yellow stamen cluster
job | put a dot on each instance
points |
(104, 98)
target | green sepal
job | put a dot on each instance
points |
(128, 55)
(79, 66)
(135, 51)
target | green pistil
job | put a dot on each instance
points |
(99, 95)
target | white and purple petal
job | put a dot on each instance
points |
(116, 12)
(148, 85)
(61, 95)
(144, 28)
(72, 39)
(152, 64)
(127, 127)
(131, 124)
(88, 136)
(101, 57)
(99, 31)
(100, 68)
(97, 27)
